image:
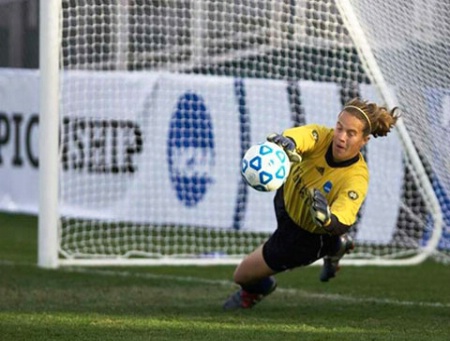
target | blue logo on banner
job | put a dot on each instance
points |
(190, 149)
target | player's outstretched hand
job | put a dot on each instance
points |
(320, 211)
(287, 144)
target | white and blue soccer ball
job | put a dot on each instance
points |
(265, 166)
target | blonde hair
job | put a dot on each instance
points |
(378, 120)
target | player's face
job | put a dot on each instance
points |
(348, 137)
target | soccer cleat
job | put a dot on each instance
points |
(242, 299)
(331, 263)
(329, 269)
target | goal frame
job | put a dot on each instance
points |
(49, 42)
(48, 226)
(370, 66)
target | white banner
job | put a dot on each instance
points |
(165, 149)
(19, 108)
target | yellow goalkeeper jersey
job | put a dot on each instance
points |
(344, 184)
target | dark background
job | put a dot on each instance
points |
(19, 33)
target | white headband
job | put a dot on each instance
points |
(362, 112)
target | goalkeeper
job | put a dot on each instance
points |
(319, 201)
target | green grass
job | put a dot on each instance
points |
(184, 303)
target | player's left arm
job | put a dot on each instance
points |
(337, 218)
(322, 215)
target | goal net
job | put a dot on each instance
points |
(156, 102)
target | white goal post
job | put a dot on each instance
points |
(147, 107)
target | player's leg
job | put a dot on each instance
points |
(344, 244)
(256, 281)
(252, 267)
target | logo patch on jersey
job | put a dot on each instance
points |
(321, 170)
(315, 135)
(327, 187)
(353, 195)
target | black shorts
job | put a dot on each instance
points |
(291, 246)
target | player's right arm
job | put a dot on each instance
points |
(306, 137)
(287, 144)
(297, 141)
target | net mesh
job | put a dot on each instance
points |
(410, 43)
(161, 99)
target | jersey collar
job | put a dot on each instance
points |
(332, 163)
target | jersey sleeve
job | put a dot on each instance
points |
(306, 137)
(349, 200)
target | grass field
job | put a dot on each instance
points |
(184, 303)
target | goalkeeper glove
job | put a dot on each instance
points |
(320, 211)
(287, 144)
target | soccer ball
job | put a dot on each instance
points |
(265, 166)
